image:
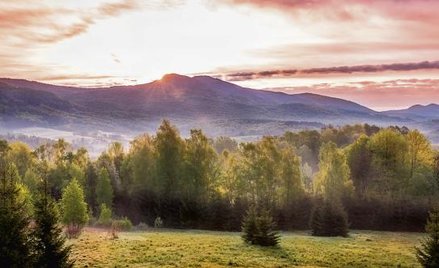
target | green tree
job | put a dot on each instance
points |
(21, 155)
(104, 190)
(200, 166)
(419, 151)
(104, 215)
(50, 248)
(428, 253)
(329, 218)
(15, 250)
(91, 178)
(138, 167)
(389, 162)
(291, 185)
(170, 151)
(258, 228)
(333, 179)
(359, 157)
(74, 208)
(116, 153)
(31, 180)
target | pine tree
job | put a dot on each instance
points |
(49, 241)
(329, 219)
(15, 250)
(428, 253)
(266, 235)
(317, 222)
(50, 249)
(249, 228)
(258, 228)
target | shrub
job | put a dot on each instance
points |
(428, 253)
(104, 216)
(158, 222)
(123, 224)
(329, 219)
(258, 228)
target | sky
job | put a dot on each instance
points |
(383, 54)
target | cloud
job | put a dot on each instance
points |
(241, 76)
(54, 24)
(115, 9)
(402, 92)
(347, 9)
(27, 26)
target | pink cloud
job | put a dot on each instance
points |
(390, 94)
(286, 73)
(29, 25)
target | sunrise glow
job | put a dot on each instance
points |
(260, 44)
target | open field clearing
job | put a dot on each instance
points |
(170, 248)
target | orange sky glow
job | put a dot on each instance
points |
(382, 54)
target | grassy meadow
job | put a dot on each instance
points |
(179, 248)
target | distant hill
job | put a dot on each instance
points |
(417, 112)
(24, 106)
(219, 107)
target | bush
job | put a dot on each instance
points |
(104, 216)
(123, 224)
(158, 222)
(428, 253)
(259, 228)
(329, 219)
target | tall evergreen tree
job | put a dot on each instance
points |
(15, 250)
(428, 253)
(50, 249)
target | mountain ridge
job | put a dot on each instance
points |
(192, 102)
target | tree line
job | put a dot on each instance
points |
(365, 176)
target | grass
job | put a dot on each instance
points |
(172, 248)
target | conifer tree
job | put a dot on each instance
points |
(50, 246)
(329, 219)
(249, 228)
(258, 228)
(50, 249)
(266, 235)
(15, 250)
(428, 253)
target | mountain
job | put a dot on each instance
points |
(219, 107)
(22, 106)
(417, 112)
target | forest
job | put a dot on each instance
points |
(383, 178)
(355, 177)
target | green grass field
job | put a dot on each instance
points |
(176, 248)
